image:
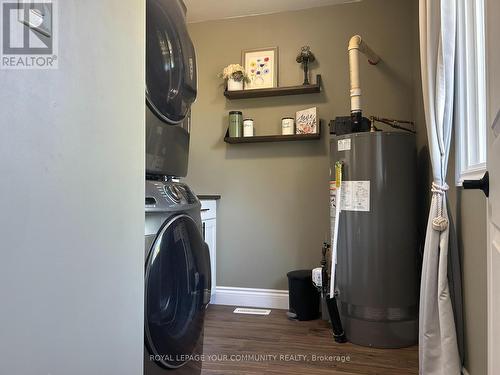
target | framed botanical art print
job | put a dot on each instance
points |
(261, 65)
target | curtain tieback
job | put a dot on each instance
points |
(439, 223)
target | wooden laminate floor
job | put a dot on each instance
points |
(253, 345)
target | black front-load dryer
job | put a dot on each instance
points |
(171, 87)
(177, 280)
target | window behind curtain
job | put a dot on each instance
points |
(470, 88)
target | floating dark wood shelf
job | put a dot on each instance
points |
(273, 138)
(276, 91)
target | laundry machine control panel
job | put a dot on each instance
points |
(162, 195)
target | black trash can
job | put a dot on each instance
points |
(303, 296)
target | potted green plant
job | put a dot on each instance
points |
(235, 76)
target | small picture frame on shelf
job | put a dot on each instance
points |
(306, 121)
(261, 65)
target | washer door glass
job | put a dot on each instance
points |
(175, 288)
(170, 61)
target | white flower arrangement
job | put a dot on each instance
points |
(236, 72)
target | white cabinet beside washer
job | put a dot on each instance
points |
(209, 224)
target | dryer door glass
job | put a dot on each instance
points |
(176, 283)
(170, 61)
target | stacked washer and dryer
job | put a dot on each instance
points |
(177, 269)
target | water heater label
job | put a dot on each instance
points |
(355, 196)
(344, 144)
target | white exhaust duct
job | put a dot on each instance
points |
(356, 45)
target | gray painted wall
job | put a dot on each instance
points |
(273, 216)
(470, 217)
(71, 199)
(468, 208)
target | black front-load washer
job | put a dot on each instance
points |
(177, 280)
(177, 269)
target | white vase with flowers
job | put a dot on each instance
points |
(235, 76)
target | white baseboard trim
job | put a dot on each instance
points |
(464, 371)
(251, 297)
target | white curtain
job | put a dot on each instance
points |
(438, 350)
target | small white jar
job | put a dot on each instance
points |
(233, 85)
(287, 126)
(248, 127)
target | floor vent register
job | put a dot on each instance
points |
(242, 310)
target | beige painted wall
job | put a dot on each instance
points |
(273, 215)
